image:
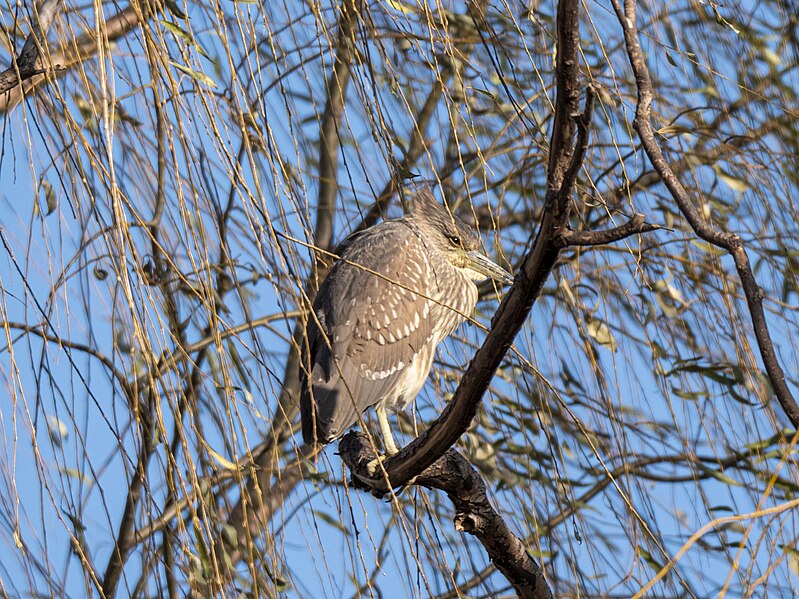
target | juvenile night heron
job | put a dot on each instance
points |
(398, 290)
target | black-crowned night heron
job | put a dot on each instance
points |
(398, 290)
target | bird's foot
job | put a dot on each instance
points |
(373, 467)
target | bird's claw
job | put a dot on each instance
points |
(373, 467)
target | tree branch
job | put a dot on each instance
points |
(24, 66)
(635, 226)
(124, 538)
(580, 148)
(418, 145)
(533, 273)
(71, 54)
(252, 510)
(728, 241)
(454, 475)
(329, 136)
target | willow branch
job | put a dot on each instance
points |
(534, 271)
(418, 145)
(255, 505)
(329, 130)
(24, 66)
(730, 242)
(635, 226)
(415, 149)
(454, 475)
(71, 54)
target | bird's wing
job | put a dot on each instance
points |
(369, 328)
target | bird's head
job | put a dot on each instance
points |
(454, 238)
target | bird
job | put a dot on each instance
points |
(398, 289)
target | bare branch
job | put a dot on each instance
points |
(24, 66)
(635, 226)
(728, 241)
(329, 136)
(124, 539)
(253, 509)
(580, 148)
(418, 145)
(73, 53)
(454, 475)
(534, 272)
(415, 149)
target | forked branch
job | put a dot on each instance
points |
(565, 154)
(635, 226)
(730, 242)
(454, 475)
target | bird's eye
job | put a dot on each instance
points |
(454, 240)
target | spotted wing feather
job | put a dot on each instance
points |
(369, 329)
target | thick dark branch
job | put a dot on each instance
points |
(567, 101)
(24, 65)
(581, 147)
(728, 241)
(454, 475)
(635, 226)
(73, 53)
(124, 539)
(533, 273)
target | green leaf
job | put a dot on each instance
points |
(651, 561)
(733, 183)
(184, 35)
(238, 364)
(719, 475)
(689, 395)
(175, 9)
(49, 196)
(600, 333)
(326, 518)
(197, 75)
(230, 536)
(177, 31)
(670, 59)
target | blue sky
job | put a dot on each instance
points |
(45, 483)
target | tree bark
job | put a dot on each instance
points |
(474, 514)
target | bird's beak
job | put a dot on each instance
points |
(480, 263)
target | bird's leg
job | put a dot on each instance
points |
(385, 430)
(388, 440)
(374, 465)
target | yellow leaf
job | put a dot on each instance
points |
(197, 75)
(219, 459)
(400, 6)
(733, 182)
